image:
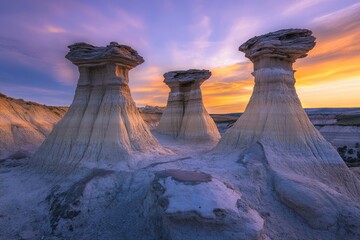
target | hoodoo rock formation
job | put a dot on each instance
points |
(102, 125)
(308, 174)
(185, 116)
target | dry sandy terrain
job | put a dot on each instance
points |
(24, 125)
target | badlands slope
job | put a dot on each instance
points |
(24, 125)
(340, 126)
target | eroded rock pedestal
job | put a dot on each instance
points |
(102, 124)
(308, 174)
(185, 116)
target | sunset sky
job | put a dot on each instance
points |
(179, 35)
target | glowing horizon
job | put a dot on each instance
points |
(177, 36)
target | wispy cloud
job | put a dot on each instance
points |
(229, 88)
(130, 20)
(54, 29)
(194, 51)
(336, 55)
(66, 73)
(301, 5)
(344, 93)
(51, 30)
(147, 86)
(241, 30)
(349, 12)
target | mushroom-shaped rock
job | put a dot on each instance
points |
(102, 125)
(185, 116)
(287, 44)
(295, 151)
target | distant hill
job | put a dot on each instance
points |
(24, 125)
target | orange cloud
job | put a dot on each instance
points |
(342, 93)
(147, 86)
(336, 56)
(328, 77)
(229, 88)
(54, 29)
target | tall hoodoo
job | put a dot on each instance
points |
(302, 161)
(102, 124)
(185, 116)
(274, 112)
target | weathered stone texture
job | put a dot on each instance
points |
(185, 116)
(102, 125)
(304, 166)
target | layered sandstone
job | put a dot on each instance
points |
(24, 125)
(309, 175)
(185, 116)
(102, 125)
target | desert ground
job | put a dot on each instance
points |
(108, 203)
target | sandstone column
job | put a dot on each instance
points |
(274, 112)
(275, 119)
(102, 125)
(185, 116)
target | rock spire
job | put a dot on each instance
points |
(185, 116)
(102, 125)
(309, 176)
